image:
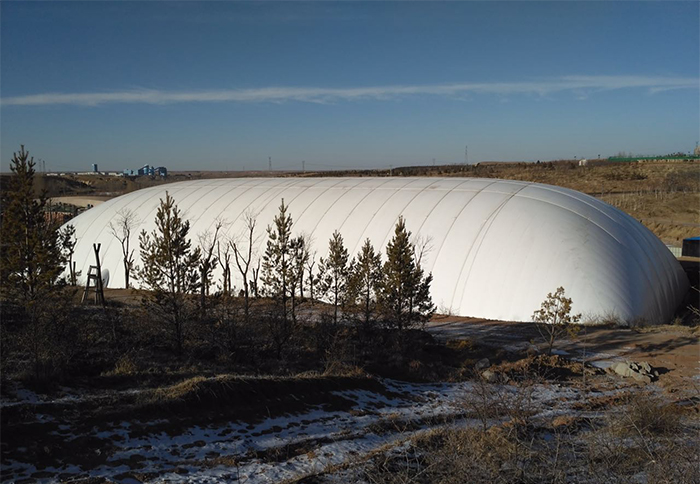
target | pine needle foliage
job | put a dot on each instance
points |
(278, 275)
(336, 269)
(283, 256)
(170, 271)
(404, 297)
(31, 260)
(554, 319)
(365, 283)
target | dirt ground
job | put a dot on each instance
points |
(82, 201)
(674, 350)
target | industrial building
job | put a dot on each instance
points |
(148, 170)
(496, 248)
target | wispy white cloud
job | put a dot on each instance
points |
(577, 85)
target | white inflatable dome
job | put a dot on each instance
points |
(495, 247)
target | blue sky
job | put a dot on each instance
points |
(222, 86)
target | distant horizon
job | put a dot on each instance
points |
(223, 86)
(39, 171)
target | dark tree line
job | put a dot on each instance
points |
(281, 288)
(363, 290)
(33, 255)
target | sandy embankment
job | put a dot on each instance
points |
(79, 201)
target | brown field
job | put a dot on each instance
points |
(665, 197)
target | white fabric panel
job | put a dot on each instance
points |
(495, 247)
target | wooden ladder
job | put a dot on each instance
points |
(94, 279)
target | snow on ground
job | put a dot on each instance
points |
(283, 447)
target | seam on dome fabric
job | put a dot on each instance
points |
(379, 208)
(147, 193)
(449, 230)
(282, 189)
(346, 191)
(575, 213)
(568, 194)
(429, 214)
(485, 226)
(247, 189)
(290, 200)
(291, 186)
(644, 248)
(238, 186)
(387, 234)
(243, 192)
(352, 211)
(622, 227)
(316, 198)
(265, 192)
(420, 229)
(640, 237)
(102, 229)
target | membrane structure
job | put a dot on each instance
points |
(496, 248)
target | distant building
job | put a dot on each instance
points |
(94, 167)
(147, 170)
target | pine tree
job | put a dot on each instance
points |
(32, 256)
(67, 242)
(554, 319)
(365, 282)
(31, 259)
(335, 269)
(170, 270)
(300, 253)
(280, 279)
(278, 261)
(405, 292)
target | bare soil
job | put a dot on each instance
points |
(674, 350)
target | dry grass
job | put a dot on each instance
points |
(645, 440)
(647, 414)
(648, 437)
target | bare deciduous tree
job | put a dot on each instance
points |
(207, 243)
(243, 253)
(313, 279)
(224, 258)
(121, 228)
